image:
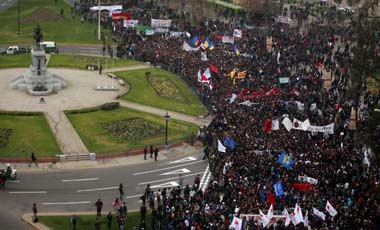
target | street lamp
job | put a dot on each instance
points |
(18, 17)
(167, 117)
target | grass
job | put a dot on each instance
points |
(143, 93)
(54, 28)
(94, 136)
(29, 133)
(86, 222)
(79, 61)
(12, 61)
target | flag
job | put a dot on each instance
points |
(287, 217)
(233, 97)
(213, 68)
(287, 123)
(330, 209)
(306, 219)
(264, 219)
(188, 48)
(302, 187)
(199, 76)
(297, 216)
(270, 210)
(221, 147)
(211, 85)
(242, 74)
(229, 143)
(236, 50)
(319, 213)
(278, 190)
(365, 159)
(196, 41)
(207, 73)
(270, 198)
(268, 125)
(284, 80)
(228, 39)
(232, 73)
(285, 160)
(307, 179)
(204, 56)
(211, 45)
(237, 33)
(206, 43)
(300, 106)
(301, 125)
(275, 124)
(236, 223)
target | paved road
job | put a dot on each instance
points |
(77, 190)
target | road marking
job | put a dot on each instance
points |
(74, 202)
(85, 179)
(204, 177)
(129, 197)
(97, 189)
(178, 171)
(183, 160)
(205, 183)
(172, 167)
(13, 181)
(171, 178)
(28, 192)
(169, 184)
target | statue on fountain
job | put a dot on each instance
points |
(38, 35)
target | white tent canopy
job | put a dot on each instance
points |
(109, 8)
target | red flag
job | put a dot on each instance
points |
(302, 187)
(270, 198)
(214, 68)
(117, 16)
(267, 125)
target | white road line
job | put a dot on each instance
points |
(203, 177)
(157, 170)
(176, 172)
(97, 189)
(129, 197)
(77, 180)
(206, 182)
(74, 202)
(13, 181)
(28, 192)
(171, 178)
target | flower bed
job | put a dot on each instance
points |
(5, 134)
(165, 88)
(134, 128)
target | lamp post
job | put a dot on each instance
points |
(167, 117)
(18, 17)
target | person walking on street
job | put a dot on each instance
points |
(74, 221)
(34, 208)
(145, 152)
(121, 192)
(206, 152)
(109, 221)
(151, 151)
(156, 153)
(180, 181)
(99, 206)
(34, 159)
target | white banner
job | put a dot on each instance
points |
(322, 129)
(160, 23)
(176, 34)
(130, 23)
(188, 48)
(308, 179)
(109, 8)
(228, 39)
(161, 30)
(149, 32)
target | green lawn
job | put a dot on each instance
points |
(143, 92)
(86, 222)
(79, 61)
(61, 29)
(29, 133)
(98, 140)
(11, 61)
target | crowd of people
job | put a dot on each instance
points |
(247, 173)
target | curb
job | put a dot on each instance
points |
(98, 157)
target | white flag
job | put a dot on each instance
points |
(319, 213)
(270, 212)
(330, 209)
(365, 159)
(264, 219)
(221, 147)
(275, 124)
(297, 216)
(300, 106)
(207, 73)
(237, 33)
(233, 97)
(287, 217)
(199, 76)
(236, 223)
(306, 220)
(287, 123)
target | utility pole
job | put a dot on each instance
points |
(99, 20)
(18, 17)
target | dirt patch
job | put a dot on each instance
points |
(42, 14)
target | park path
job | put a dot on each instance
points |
(200, 121)
(66, 136)
(124, 68)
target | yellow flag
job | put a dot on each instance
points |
(232, 73)
(242, 74)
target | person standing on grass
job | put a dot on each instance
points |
(74, 221)
(116, 204)
(99, 206)
(143, 212)
(97, 224)
(109, 221)
(121, 192)
(145, 152)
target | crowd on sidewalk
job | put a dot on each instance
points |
(281, 137)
